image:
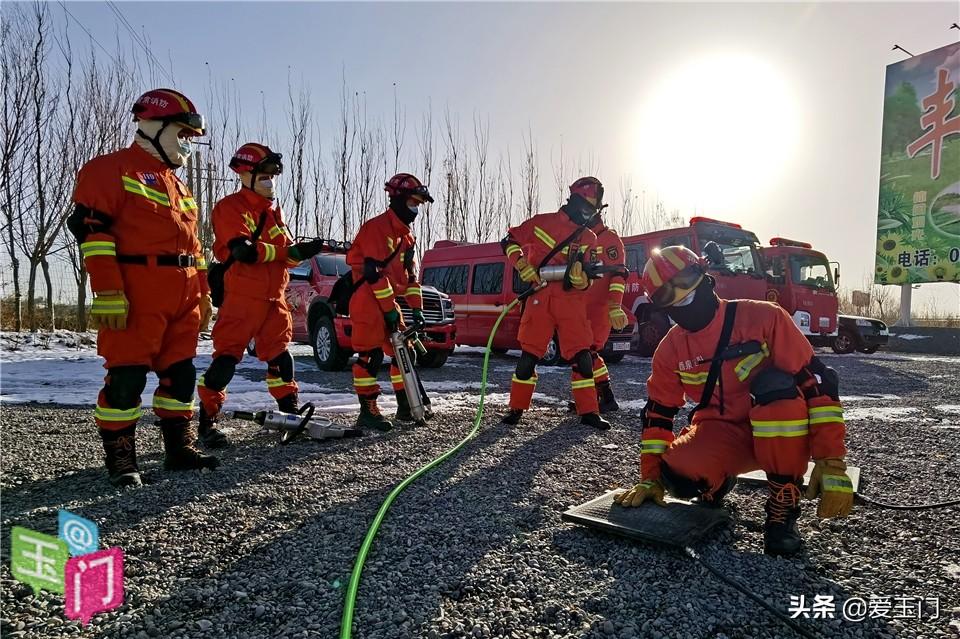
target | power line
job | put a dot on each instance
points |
(87, 31)
(138, 38)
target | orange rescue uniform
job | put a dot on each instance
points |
(722, 442)
(153, 214)
(603, 293)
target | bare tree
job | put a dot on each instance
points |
(529, 178)
(425, 143)
(343, 161)
(399, 130)
(299, 127)
(486, 184)
(371, 154)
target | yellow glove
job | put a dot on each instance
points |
(829, 479)
(527, 272)
(206, 312)
(578, 279)
(618, 319)
(109, 310)
(649, 489)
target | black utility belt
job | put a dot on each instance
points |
(179, 261)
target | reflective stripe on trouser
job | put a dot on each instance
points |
(521, 392)
(396, 379)
(363, 382)
(211, 399)
(827, 428)
(278, 388)
(166, 407)
(600, 372)
(781, 441)
(584, 393)
(109, 418)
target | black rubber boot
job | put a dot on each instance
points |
(289, 404)
(513, 417)
(403, 408)
(210, 433)
(608, 403)
(594, 420)
(716, 500)
(571, 407)
(780, 534)
(120, 447)
(370, 416)
(180, 446)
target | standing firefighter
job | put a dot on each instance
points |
(252, 242)
(560, 242)
(136, 224)
(604, 297)
(382, 264)
(776, 406)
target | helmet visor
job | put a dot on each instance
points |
(193, 121)
(678, 286)
(270, 165)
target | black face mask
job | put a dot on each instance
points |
(399, 206)
(698, 313)
(579, 210)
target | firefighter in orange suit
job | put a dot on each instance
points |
(774, 405)
(382, 263)
(136, 224)
(560, 239)
(604, 298)
(253, 304)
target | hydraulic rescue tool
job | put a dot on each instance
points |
(290, 425)
(404, 342)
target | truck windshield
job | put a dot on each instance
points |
(812, 271)
(738, 246)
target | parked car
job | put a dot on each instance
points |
(862, 334)
(316, 323)
(480, 281)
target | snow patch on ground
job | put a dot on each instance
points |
(868, 398)
(909, 337)
(952, 409)
(878, 412)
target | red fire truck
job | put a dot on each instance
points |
(737, 268)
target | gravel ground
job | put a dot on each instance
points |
(263, 546)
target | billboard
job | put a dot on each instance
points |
(918, 223)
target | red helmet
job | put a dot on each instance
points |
(590, 189)
(670, 274)
(168, 105)
(256, 158)
(407, 185)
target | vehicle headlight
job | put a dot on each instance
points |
(804, 319)
(864, 322)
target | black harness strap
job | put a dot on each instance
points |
(716, 363)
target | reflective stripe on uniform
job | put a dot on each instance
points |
(101, 306)
(695, 379)
(396, 379)
(90, 249)
(582, 383)
(414, 290)
(275, 382)
(269, 252)
(249, 221)
(786, 428)
(384, 293)
(201, 263)
(532, 381)
(131, 185)
(598, 372)
(513, 248)
(188, 204)
(364, 381)
(106, 414)
(837, 483)
(169, 403)
(274, 231)
(655, 446)
(544, 237)
(746, 365)
(826, 415)
(620, 288)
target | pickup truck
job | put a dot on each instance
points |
(863, 334)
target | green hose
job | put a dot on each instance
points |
(346, 622)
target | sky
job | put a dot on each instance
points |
(768, 115)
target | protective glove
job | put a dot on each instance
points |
(527, 272)
(577, 278)
(392, 319)
(829, 479)
(306, 250)
(243, 250)
(419, 321)
(206, 312)
(648, 489)
(109, 310)
(618, 319)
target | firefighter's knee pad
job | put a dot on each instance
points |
(526, 366)
(771, 385)
(180, 378)
(681, 486)
(220, 372)
(126, 385)
(282, 366)
(583, 364)
(374, 359)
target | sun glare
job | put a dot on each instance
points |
(716, 132)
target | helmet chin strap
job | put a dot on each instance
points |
(155, 141)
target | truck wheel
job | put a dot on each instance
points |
(844, 342)
(433, 359)
(614, 358)
(651, 333)
(869, 350)
(552, 356)
(326, 350)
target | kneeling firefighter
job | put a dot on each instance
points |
(383, 266)
(254, 250)
(136, 223)
(554, 247)
(777, 404)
